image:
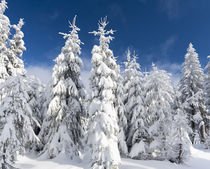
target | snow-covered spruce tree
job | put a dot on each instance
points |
(16, 118)
(179, 141)
(192, 96)
(158, 101)
(4, 35)
(36, 101)
(120, 108)
(17, 49)
(62, 131)
(137, 127)
(207, 102)
(103, 127)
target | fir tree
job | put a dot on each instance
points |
(179, 141)
(103, 127)
(17, 49)
(4, 35)
(62, 131)
(158, 101)
(16, 119)
(191, 88)
(207, 102)
(135, 108)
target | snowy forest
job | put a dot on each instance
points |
(128, 113)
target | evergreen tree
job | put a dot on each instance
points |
(191, 88)
(158, 101)
(137, 130)
(122, 120)
(62, 131)
(179, 141)
(207, 102)
(10, 50)
(4, 35)
(103, 127)
(17, 49)
(16, 119)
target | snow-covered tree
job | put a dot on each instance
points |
(158, 101)
(36, 101)
(120, 108)
(17, 49)
(137, 129)
(103, 127)
(191, 88)
(179, 141)
(62, 131)
(16, 119)
(4, 35)
(10, 50)
(207, 102)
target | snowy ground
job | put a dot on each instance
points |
(200, 160)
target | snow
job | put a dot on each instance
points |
(200, 159)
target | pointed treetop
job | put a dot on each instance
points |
(74, 28)
(104, 35)
(154, 67)
(128, 53)
(3, 6)
(21, 23)
(190, 48)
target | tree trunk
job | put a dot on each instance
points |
(4, 163)
(180, 154)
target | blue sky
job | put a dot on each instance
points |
(158, 30)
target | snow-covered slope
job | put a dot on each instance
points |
(200, 160)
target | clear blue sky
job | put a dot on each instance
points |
(158, 30)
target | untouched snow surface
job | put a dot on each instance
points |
(200, 159)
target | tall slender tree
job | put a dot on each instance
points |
(62, 131)
(207, 102)
(192, 96)
(103, 125)
(135, 108)
(158, 100)
(4, 35)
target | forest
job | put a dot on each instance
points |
(128, 113)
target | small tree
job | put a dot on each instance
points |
(103, 127)
(179, 141)
(16, 119)
(62, 131)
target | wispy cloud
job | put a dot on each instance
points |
(167, 46)
(117, 11)
(170, 7)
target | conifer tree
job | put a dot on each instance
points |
(122, 120)
(62, 131)
(4, 35)
(192, 96)
(158, 100)
(207, 102)
(16, 119)
(103, 127)
(135, 108)
(179, 141)
(17, 49)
